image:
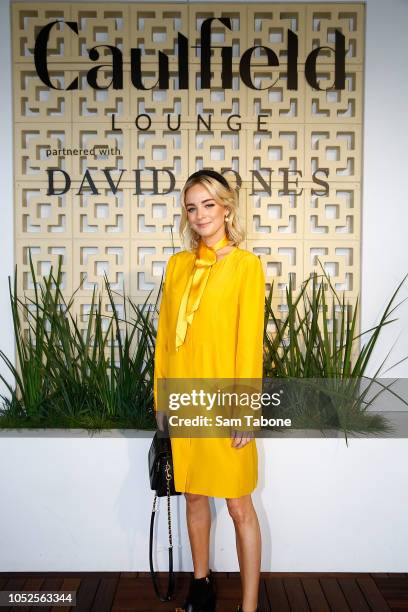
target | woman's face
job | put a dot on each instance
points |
(205, 216)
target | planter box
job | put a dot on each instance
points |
(74, 502)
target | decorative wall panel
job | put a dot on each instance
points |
(263, 136)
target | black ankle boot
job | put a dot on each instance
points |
(201, 594)
(239, 608)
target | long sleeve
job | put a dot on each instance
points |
(161, 348)
(249, 355)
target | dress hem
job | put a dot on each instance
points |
(220, 496)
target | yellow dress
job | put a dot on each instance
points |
(225, 340)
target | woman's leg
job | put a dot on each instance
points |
(199, 525)
(248, 539)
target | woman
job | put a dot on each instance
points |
(211, 327)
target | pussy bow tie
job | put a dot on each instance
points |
(205, 258)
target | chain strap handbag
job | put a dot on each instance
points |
(161, 475)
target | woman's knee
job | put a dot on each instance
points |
(195, 498)
(240, 509)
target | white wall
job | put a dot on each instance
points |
(323, 506)
(385, 196)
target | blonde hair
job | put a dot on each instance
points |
(227, 197)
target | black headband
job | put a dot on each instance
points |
(212, 174)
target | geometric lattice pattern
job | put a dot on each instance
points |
(131, 235)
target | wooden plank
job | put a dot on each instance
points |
(68, 584)
(14, 583)
(263, 601)
(277, 595)
(182, 581)
(138, 595)
(49, 584)
(20, 575)
(396, 597)
(313, 574)
(334, 595)
(353, 595)
(105, 595)
(398, 575)
(375, 599)
(30, 584)
(315, 595)
(33, 584)
(378, 575)
(86, 593)
(229, 589)
(296, 595)
(392, 587)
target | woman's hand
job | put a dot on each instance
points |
(241, 438)
(161, 420)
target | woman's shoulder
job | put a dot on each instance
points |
(181, 256)
(183, 253)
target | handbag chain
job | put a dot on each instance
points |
(168, 478)
(171, 581)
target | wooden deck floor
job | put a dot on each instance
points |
(280, 592)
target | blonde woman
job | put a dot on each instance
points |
(211, 326)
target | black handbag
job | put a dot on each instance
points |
(162, 482)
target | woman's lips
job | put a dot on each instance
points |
(203, 224)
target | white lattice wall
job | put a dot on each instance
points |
(130, 236)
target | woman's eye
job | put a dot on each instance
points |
(190, 209)
(209, 205)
